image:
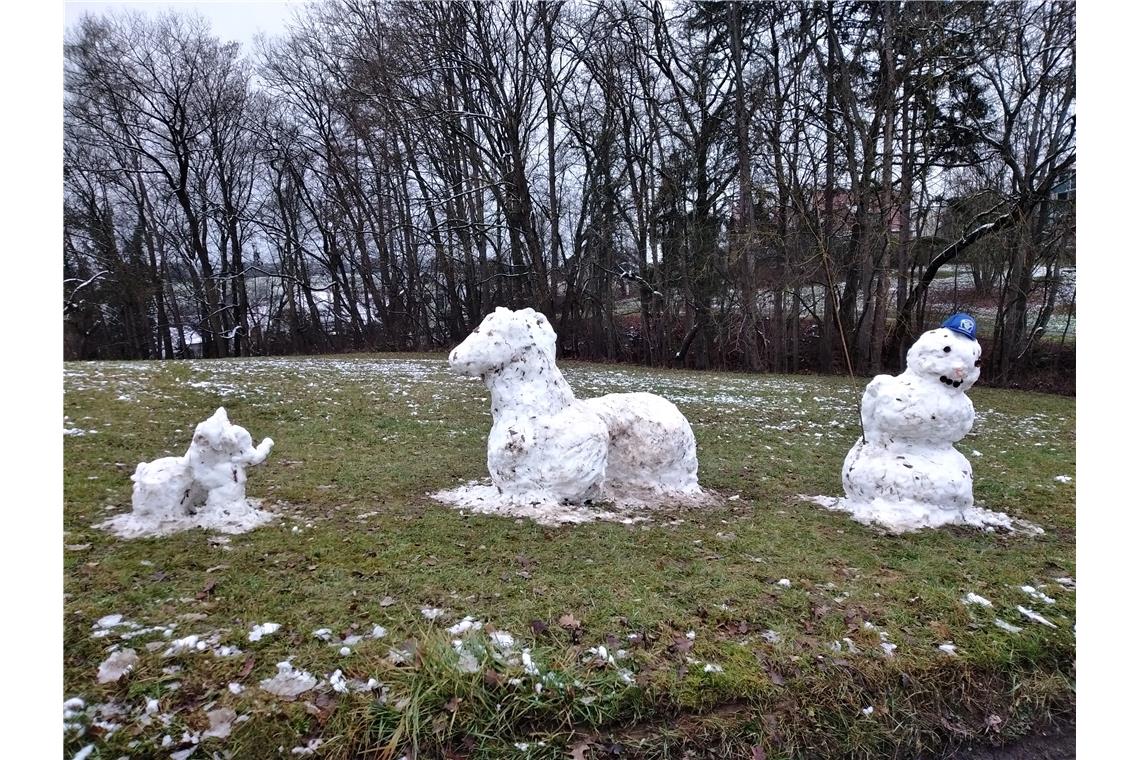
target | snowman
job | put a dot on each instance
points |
(904, 473)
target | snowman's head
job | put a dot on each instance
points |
(947, 357)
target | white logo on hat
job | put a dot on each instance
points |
(968, 325)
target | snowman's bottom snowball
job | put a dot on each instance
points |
(627, 506)
(907, 515)
(929, 474)
(235, 517)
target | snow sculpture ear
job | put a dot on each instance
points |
(544, 334)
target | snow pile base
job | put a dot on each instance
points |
(203, 488)
(904, 474)
(628, 507)
(551, 455)
(905, 516)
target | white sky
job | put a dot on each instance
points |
(231, 21)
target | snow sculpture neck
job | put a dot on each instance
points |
(205, 487)
(533, 382)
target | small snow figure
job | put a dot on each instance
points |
(205, 487)
(546, 444)
(905, 473)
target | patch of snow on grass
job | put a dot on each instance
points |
(1038, 595)
(1005, 626)
(309, 749)
(1034, 616)
(338, 682)
(264, 629)
(117, 665)
(221, 723)
(468, 623)
(289, 682)
(972, 598)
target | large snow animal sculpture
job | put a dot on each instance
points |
(205, 487)
(904, 473)
(545, 443)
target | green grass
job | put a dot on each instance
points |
(360, 441)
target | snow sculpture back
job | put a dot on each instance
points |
(904, 473)
(547, 444)
(205, 487)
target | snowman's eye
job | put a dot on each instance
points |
(946, 349)
(978, 363)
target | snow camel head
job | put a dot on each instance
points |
(504, 337)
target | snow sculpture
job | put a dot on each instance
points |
(904, 473)
(205, 487)
(545, 444)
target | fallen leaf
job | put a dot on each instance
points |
(578, 751)
(569, 621)
(387, 601)
(208, 589)
(682, 644)
(452, 704)
(758, 753)
(537, 626)
(492, 678)
(247, 667)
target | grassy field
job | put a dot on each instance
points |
(760, 628)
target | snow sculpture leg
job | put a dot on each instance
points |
(546, 444)
(205, 487)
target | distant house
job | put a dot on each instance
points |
(188, 345)
(1066, 187)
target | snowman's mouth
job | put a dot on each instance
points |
(948, 381)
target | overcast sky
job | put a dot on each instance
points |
(238, 21)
